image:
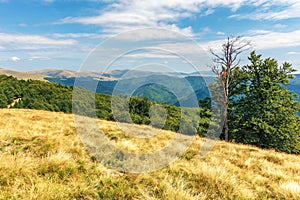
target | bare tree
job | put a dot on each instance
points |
(224, 64)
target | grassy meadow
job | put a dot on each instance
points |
(42, 157)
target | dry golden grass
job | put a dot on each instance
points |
(142, 138)
(42, 157)
(22, 75)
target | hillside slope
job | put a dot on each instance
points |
(42, 157)
(23, 75)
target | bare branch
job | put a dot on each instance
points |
(225, 63)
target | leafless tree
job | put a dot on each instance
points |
(224, 64)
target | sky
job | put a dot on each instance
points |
(61, 34)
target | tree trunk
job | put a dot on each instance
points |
(226, 86)
(225, 129)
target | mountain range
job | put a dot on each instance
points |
(162, 87)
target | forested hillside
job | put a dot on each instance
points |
(57, 97)
(35, 94)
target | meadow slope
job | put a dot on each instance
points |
(23, 75)
(42, 157)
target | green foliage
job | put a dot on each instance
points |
(10, 88)
(263, 112)
(205, 116)
(35, 94)
(56, 97)
(158, 115)
(156, 92)
(139, 106)
(3, 100)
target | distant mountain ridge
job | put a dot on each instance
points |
(106, 82)
(295, 85)
(57, 73)
(23, 75)
(109, 75)
(156, 87)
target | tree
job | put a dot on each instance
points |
(3, 100)
(139, 110)
(264, 110)
(225, 64)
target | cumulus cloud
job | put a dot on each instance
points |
(32, 39)
(271, 40)
(150, 55)
(171, 32)
(33, 43)
(293, 53)
(15, 59)
(39, 58)
(220, 33)
(285, 9)
(126, 15)
(261, 40)
(121, 16)
(75, 35)
(131, 14)
(280, 26)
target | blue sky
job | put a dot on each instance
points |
(39, 34)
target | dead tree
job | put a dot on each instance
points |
(224, 64)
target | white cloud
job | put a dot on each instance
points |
(32, 39)
(187, 50)
(220, 33)
(271, 40)
(155, 33)
(293, 53)
(261, 40)
(286, 9)
(172, 32)
(257, 32)
(38, 58)
(182, 48)
(125, 15)
(150, 55)
(209, 12)
(23, 25)
(48, 1)
(73, 35)
(280, 26)
(15, 59)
